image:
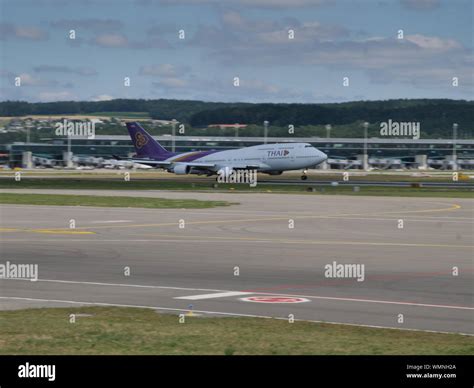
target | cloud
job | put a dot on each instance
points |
(232, 18)
(119, 40)
(102, 97)
(433, 42)
(420, 5)
(381, 52)
(436, 77)
(234, 30)
(163, 70)
(110, 40)
(266, 43)
(88, 24)
(55, 96)
(11, 31)
(303, 32)
(30, 80)
(60, 3)
(246, 3)
(107, 33)
(250, 89)
(83, 71)
(171, 83)
(150, 42)
(27, 79)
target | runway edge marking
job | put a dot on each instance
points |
(255, 292)
(211, 296)
(229, 314)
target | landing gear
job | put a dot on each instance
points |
(304, 176)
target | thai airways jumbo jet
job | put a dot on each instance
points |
(271, 159)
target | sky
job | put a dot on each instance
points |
(303, 51)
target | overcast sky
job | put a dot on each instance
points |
(249, 39)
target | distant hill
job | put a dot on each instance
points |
(436, 116)
(181, 110)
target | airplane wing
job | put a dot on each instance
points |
(244, 166)
(166, 165)
(151, 162)
(196, 165)
(212, 167)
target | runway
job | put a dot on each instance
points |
(230, 261)
(281, 181)
(451, 185)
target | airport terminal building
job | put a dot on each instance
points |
(344, 153)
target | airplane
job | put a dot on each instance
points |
(270, 159)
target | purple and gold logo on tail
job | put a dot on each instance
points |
(140, 140)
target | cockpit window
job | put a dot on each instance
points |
(308, 146)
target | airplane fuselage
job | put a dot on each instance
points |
(265, 157)
(268, 158)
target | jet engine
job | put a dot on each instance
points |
(181, 169)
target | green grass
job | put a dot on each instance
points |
(114, 330)
(141, 184)
(104, 201)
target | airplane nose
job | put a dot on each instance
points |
(321, 156)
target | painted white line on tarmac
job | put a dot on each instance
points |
(258, 292)
(225, 313)
(211, 296)
(119, 285)
(109, 222)
(372, 301)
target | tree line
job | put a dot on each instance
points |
(435, 116)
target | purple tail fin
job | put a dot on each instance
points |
(145, 145)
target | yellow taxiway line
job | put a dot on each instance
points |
(227, 221)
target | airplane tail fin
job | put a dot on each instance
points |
(144, 143)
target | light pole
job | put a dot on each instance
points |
(366, 158)
(328, 130)
(265, 131)
(173, 135)
(69, 146)
(455, 134)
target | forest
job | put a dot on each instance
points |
(435, 116)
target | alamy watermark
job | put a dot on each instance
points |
(345, 271)
(229, 175)
(28, 370)
(68, 128)
(402, 128)
(19, 271)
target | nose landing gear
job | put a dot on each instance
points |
(304, 176)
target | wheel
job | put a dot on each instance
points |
(304, 177)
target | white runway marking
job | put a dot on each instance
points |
(211, 296)
(259, 292)
(223, 313)
(120, 285)
(109, 222)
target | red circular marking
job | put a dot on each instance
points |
(274, 299)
